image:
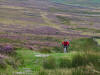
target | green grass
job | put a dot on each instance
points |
(7, 40)
(29, 56)
(98, 41)
(9, 65)
(82, 44)
(82, 53)
(29, 59)
(29, 62)
(64, 20)
(86, 29)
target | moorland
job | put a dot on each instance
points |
(29, 28)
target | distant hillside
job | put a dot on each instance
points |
(83, 3)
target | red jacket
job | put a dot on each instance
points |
(65, 43)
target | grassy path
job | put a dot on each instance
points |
(32, 63)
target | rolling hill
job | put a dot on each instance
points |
(81, 3)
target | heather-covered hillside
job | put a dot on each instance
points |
(31, 33)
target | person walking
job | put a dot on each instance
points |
(65, 44)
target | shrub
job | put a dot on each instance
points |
(55, 72)
(64, 20)
(8, 49)
(49, 63)
(79, 60)
(94, 58)
(84, 44)
(64, 62)
(12, 62)
(3, 64)
(43, 73)
(78, 71)
(87, 70)
(58, 49)
(45, 50)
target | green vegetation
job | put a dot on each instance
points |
(7, 40)
(52, 9)
(65, 62)
(9, 64)
(64, 20)
(81, 3)
(82, 44)
(81, 56)
(21, 21)
(29, 59)
(88, 12)
(78, 11)
(49, 63)
(86, 29)
(98, 41)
